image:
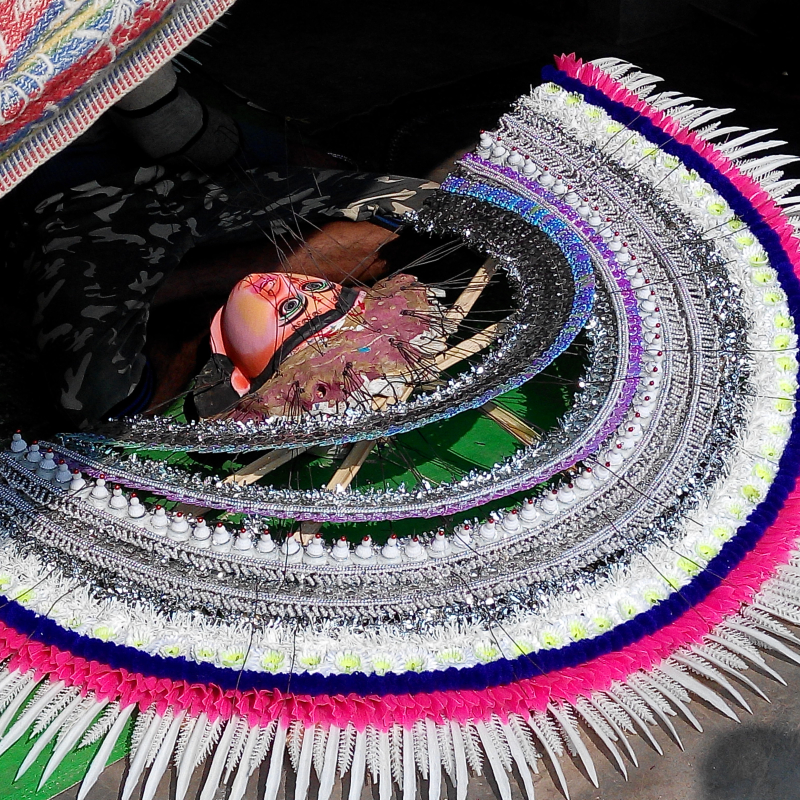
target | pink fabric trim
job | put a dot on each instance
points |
(770, 211)
(533, 694)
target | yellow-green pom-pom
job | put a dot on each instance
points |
(381, 664)
(762, 277)
(577, 631)
(487, 651)
(781, 341)
(348, 662)
(716, 208)
(232, 658)
(691, 568)
(310, 660)
(751, 493)
(272, 660)
(103, 632)
(450, 655)
(706, 551)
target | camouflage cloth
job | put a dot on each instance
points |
(105, 248)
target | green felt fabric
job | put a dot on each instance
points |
(69, 772)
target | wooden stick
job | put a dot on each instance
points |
(468, 298)
(510, 422)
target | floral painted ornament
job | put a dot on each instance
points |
(296, 344)
(656, 562)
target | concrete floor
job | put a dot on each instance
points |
(758, 759)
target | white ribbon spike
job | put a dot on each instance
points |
(711, 674)
(604, 738)
(651, 683)
(764, 638)
(9, 677)
(519, 759)
(709, 116)
(653, 705)
(500, 774)
(385, 770)
(574, 736)
(28, 716)
(140, 757)
(750, 655)
(735, 673)
(101, 758)
(434, 761)
(188, 759)
(46, 736)
(738, 141)
(551, 755)
(304, 764)
(638, 722)
(715, 134)
(244, 772)
(275, 764)
(71, 738)
(162, 758)
(621, 735)
(218, 762)
(358, 766)
(329, 764)
(693, 685)
(409, 767)
(462, 774)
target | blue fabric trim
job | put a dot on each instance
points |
(503, 671)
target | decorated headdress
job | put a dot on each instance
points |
(617, 565)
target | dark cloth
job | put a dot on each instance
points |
(104, 247)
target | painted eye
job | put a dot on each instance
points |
(316, 286)
(290, 307)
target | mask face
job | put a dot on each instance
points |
(268, 315)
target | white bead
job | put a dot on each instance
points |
(566, 494)
(244, 541)
(290, 546)
(265, 543)
(63, 474)
(99, 493)
(135, 509)
(488, 530)
(47, 467)
(439, 545)
(76, 482)
(391, 550)
(315, 549)
(528, 512)
(159, 520)
(549, 503)
(414, 549)
(18, 444)
(33, 456)
(364, 548)
(118, 502)
(462, 536)
(201, 534)
(341, 549)
(511, 523)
